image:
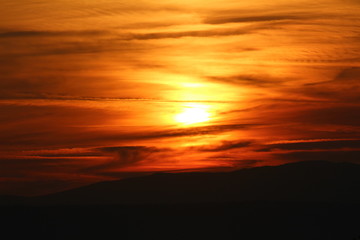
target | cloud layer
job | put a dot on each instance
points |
(90, 91)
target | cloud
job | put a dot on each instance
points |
(346, 80)
(248, 163)
(345, 76)
(68, 155)
(224, 146)
(50, 125)
(252, 80)
(32, 168)
(129, 155)
(348, 74)
(200, 33)
(311, 119)
(49, 173)
(315, 145)
(123, 156)
(246, 19)
(179, 132)
(66, 124)
(25, 44)
(144, 156)
(25, 34)
(329, 115)
(342, 156)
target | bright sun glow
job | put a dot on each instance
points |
(193, 113)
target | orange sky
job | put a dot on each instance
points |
(100, 90)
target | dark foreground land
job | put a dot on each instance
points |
(300, 201)
(295, 221)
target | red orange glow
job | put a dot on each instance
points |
(91, 90)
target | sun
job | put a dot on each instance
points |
(192, 114)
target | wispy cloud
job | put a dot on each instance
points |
(315, 145)
(37, 34)
(254, 80)
(200, 34)
(127, 155)
(223, 146)
(246, 19)
(180, 132)
(347, 156)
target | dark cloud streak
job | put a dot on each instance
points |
(224, 146)
(25, 34)
(315, 145)
(247, 19)
(172, 133)
(339, 156)
(202, 34)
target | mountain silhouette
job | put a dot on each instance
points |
(11, 200)
(313, 181)
(297, 201)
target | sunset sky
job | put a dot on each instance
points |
(96, 90)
